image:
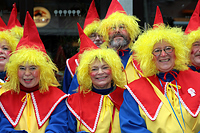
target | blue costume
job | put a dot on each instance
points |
(66, 80)
(47, 113)
(146, 109)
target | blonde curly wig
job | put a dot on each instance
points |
(31, 55)
(91, 28)
(143, 48)
(17, 32)
(107, 55)
(11, 40)
(117, 18)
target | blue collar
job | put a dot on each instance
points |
(104, 91)
(169, 75)
(2, 75)
(197, 69)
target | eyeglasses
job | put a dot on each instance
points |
(167, 49)
(94, 35)
(119, 27)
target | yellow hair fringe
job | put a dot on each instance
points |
(91, 28)
(17, 32)
(31, 55)
(107, 55)
(11, 40)
(143, 48)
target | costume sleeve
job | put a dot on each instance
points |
(72, 123)
(58, 119)
(66, 80)
(130, 118)
(74, 85)
(6, 127)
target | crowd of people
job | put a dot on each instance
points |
(123, 79)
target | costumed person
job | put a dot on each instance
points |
(167, 98)
(91, 24)
(8, 43)
(193, 39)
(33, 103)
(119, 31)
(14, 25)
(95, 107)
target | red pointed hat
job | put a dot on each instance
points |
(158, 18)
(114, 6)
(31, 36)
(194, 22)
(13, 21)
(92, 14)
(2, 25)
(86, 42)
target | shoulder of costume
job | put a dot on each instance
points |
(13, 106)
(87, 107)
(190, 92)
(144, 94)
(72, 63)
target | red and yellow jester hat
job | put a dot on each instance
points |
(31, 36)
(116, 16)
(31, 50)
(86, 44)
(158, 18)
(92, 20)
(5, 34)
(193, 28)
(194, 22)
(14, 25)
(115, 6)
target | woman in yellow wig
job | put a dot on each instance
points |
(167, 98)
(95, 108)
(33, 103)
(91, 25)
(8, 43)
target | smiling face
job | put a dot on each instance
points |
(5, 50)
(119, 37)
(29, 75)
(165, 61)
(100, 74)
(195, 53)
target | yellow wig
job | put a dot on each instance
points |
(17, 32)
(107, 55)
(143, 48)
(11, 40)
(192, 37)
(92, 27)
(32, 56)
(116, 19)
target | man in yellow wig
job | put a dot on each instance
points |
(119, 31)
(193, 39)
(33, 103)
